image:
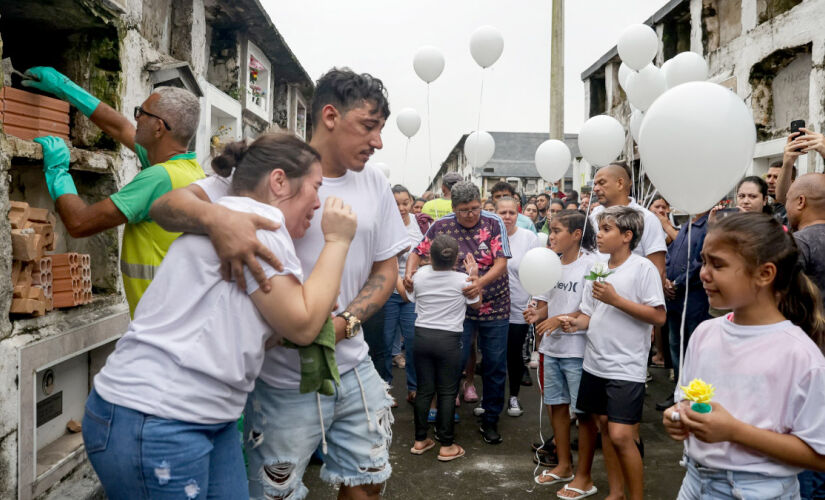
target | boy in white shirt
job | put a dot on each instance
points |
(617, 310)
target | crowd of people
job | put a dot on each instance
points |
(260, 319)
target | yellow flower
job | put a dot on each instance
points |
(699, 391)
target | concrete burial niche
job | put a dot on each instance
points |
(47, 363)
(55, 378)
(119, 51)
(221, 123)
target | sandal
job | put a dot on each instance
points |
(448, 458)
(425, 449)
(555, 478)
(579, 493)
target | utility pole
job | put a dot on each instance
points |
(557, 71)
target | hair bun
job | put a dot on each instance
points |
(229, 158)
(447, 253)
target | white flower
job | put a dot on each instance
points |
(600, 269)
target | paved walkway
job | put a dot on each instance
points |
(506, 471)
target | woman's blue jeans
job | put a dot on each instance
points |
(400, 314)
(139, 456)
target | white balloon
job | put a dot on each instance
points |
(428, 63)
(638, 45)
(552, 159)
(696, 142)
(601, 140)
(645, 86)
(543, 237)
(636, 118)
(624, 72)
(479, 148)
(539, 270)
(408, 121)
(685, 67)
(486, 45)
(664, 68)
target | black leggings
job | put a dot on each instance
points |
(515, 364)
(437, 356)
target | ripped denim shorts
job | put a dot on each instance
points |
(352, 428)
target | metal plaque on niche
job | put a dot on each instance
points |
(50, 408)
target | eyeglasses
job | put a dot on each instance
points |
(140, 111)
(467, 213)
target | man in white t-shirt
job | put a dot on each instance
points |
(282, 426)
(612, 187)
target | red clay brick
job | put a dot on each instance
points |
(31, 134)
(17, 95)
(28, 306)
(65, 272)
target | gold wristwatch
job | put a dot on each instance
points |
(353, 324)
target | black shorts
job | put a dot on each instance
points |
(620, 400)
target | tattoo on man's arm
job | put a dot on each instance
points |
(175, 220)
(364, 305)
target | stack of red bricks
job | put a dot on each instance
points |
(72, 279)
(43, 282)
(28, 115)
(32, 233)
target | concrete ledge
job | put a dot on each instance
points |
(65, 319)
(81, 159)
(81, 484)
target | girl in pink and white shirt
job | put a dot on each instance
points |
(766, 422)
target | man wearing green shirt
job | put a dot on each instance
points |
(440, 207)
(166, 122)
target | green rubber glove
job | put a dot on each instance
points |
(52, 81)
(56, 166)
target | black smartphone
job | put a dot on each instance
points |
(795, 126)
(727, 211)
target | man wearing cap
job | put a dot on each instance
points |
(440, 207)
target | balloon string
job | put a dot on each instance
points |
(480, 100)
(404, 168)
(584, 228)
(684, 314)
(633, 168)
(429, 134)
(478, 123)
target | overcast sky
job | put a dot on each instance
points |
(381, 36)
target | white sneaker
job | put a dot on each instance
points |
(534, 360)
(514, 408)
(478, 411)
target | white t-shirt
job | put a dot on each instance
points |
(521, 242)
(415, 237)
(439, 301)
(378, 237)
(768, 376)
(565, 299)
(196, 345)
(653, 237)
(617, 343)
